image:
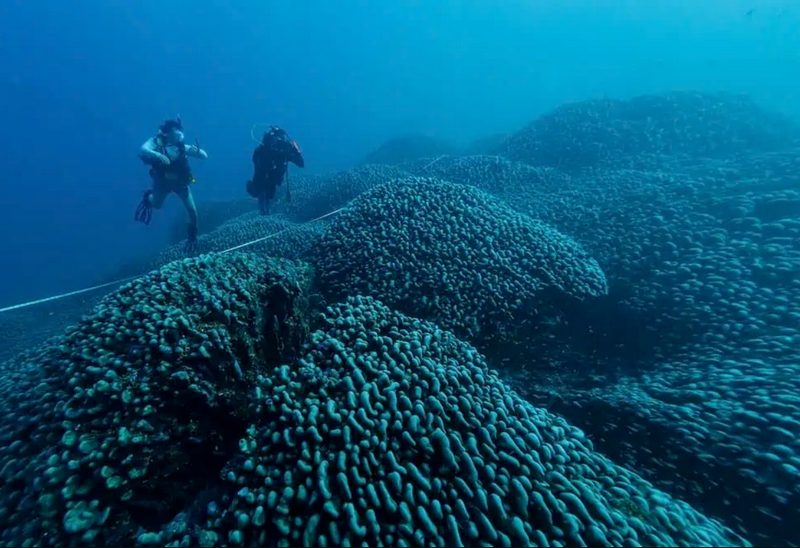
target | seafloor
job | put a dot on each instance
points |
(588, 334)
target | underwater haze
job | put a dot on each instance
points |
(531, 278)
(84, 85)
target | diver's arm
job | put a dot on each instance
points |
(148, 151)
(295, 156)
(196, 152)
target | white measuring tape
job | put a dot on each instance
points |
(435, 160)
(70, 294)
(123, 280)
(246, 244)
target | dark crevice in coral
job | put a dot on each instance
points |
(188, 465)
(283, 329)
(212, 428)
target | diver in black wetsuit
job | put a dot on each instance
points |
(270, 163)
(168, 158)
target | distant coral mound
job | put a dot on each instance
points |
(496, 175)
(603, 133)
(313, 197)
(408, 147)
(488, 144)
(279, 238)
(212, 214)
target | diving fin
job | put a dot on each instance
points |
(144, 211)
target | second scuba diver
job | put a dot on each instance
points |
(168, 158)
(270, 164)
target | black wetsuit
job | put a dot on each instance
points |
(270, 162)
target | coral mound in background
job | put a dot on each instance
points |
(313, 198)
(409, 147)
(211, 215)
(609, 133)
(279, 238)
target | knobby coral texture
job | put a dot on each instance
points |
(589, 337)
(453, 254)
(385, 429)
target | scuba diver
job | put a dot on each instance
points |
(270, 165)
(168, 158)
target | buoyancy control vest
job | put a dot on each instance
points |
(178, 171)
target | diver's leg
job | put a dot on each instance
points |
(158, 195)
(271, 190)
(267, 197)
(263, 201)
(186, 197)
(153, 198)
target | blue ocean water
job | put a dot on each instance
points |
(82, 88)
(591, 207)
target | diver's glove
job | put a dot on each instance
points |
(144, 212)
